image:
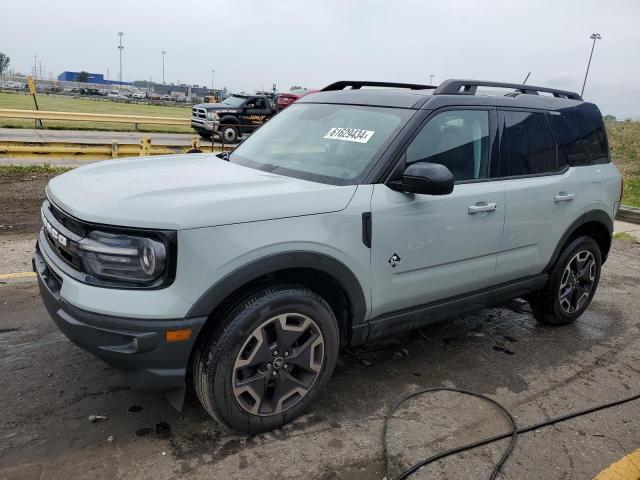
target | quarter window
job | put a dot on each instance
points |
(527, 146)
(456, 139)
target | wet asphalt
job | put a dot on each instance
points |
(49, 388)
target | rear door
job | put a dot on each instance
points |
(543, 195)
(427, 248)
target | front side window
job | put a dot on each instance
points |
(234, 101)
(527, 146)
(335, 144)
(457, 139)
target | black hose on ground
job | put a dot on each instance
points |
(515, 431)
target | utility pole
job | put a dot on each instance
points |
(35, 67)
(164, 52)
(431, 79)
(213, 72)
(120, 47)
(594, 37)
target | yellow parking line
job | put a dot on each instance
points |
(627, 468)
(10, 276)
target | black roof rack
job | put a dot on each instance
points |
(469, 87)
(341, 85)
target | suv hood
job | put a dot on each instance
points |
(188, 191)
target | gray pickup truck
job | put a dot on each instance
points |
(236, 115)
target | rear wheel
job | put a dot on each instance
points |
(229, 134)
(572, 283)
(269, 360)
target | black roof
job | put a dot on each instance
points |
(450, 92)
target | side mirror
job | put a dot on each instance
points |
(427, 178)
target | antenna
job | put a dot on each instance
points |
(526, 78)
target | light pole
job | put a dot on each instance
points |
(594, 37)
(120, 47)
(431, 79)
(35, 68)
(164, 52)
(213, 72)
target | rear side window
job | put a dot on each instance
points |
(527, 145)
(581, 134)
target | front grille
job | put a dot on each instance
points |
(198, 113)
(62, 233)
(69, 222)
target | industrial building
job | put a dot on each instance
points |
(97, 78)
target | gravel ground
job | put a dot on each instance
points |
(50, 387)
(21, 194)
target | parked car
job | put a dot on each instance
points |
(139, 96)
(286, 99)
(353, 214)
(15, 86)
(117, 96)
(236, 115)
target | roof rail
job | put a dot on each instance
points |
(469, 87)
(355, 85)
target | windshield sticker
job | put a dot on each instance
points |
(350, 134)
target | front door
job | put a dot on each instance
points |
(427, 248)
(255, 113)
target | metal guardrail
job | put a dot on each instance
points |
(92, 151)
(92, 117)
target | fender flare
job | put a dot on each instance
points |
(216, 293)
(229, 119)
(598, 216)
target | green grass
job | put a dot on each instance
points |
(45, 168)
(631, 195)
(624, 142)
(624, 236)
(81, 105)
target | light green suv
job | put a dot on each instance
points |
(355, 213)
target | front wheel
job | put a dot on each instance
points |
(572, 283)
(269, 360)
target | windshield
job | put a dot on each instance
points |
(334, 144)
(234, 101)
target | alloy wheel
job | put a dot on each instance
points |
(577, 281)
(278, 364)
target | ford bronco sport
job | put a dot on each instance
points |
(354, 213)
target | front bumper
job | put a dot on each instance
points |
(136, 347)
(205, 125)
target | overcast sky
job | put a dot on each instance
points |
(253, 43)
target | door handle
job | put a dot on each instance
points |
(482, 207)
(563, 197)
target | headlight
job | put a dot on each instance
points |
(123, 257)
(212, 116)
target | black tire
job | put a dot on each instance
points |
(217, 375)
(229, 134)
(565, 297)
(205, 135)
